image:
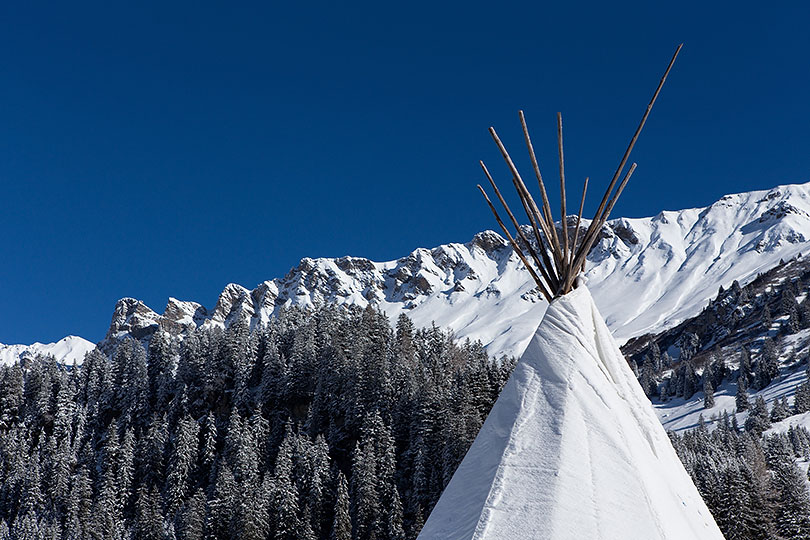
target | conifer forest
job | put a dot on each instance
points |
(326, 424)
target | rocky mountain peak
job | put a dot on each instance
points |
(646, 275)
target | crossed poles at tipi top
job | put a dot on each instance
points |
(557, 277)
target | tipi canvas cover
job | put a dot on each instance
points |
(571, 450)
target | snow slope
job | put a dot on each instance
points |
(646, 274)
(571, 449)
(68, 350)
(679, 414)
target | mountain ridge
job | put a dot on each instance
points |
(67, 350)
(670, 265)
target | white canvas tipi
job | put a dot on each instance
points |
(572, 448)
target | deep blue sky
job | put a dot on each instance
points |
(169, 149)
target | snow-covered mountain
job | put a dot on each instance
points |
(646, 274)
(67, 350)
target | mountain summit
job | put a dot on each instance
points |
(670, 264)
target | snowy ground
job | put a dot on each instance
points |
(678, 414)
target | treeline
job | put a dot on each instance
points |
(753, 486)
(743, 326)
(325, 424)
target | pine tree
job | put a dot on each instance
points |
(342, 525)
(801, 401)
(208, 456)
(741, 399)
(161, 366)
(131, 381)
(758, 419)
(148, 520)
(64, 409)
(404, 339)
(779, 410)
(285, 519)
(274, 376)
(108, 512)
(11, 396)
(190, 520)
(767, 319)
(654, 353)
(365, 498)
(708, 392)
(746, 370)
(793, 502)
(804, 314)
(182, 462)
(792, 324)
(80, 503)
(689, 344)
(666, 360)
(252, 514)
(787, 300)
(241, 355)
(768, 365)
(647, 380)
(690, 379)
(221, 506)
(26, 527)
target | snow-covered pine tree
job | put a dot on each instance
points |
(220, 514)
(690, 379)
(341, 525)
(779, 410)
(708, 392)
(148, 517)
(801, 400)
(741, 399)
(647, 379)
(189, 522)
(768, 364)
(285, 517)
(182, 463)
(758, 419)
(791, 496)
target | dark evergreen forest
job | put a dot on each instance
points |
(325, 424)
(753, 486)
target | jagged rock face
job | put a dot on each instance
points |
(234, 303)
(182, 317)
(132, 317)
(646, 275)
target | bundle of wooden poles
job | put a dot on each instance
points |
(560, 259)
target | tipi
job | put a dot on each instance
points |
(572, 448)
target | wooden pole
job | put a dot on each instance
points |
(579, 221)
(553, 277)
(593, 228)
(569, 259)
(551, 282)
(521, 187)
(537, 279)
(626, 156)
(553, 240)
(586, 245)
(563, 211)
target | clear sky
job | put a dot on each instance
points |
(169, 148)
